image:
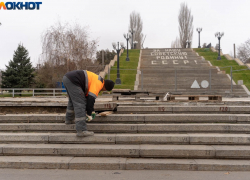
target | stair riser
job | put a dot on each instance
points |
(135, 128)
(180, 139)
(143, 151)
(86, 163)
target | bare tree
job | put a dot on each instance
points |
(65, 48)
(185, 25)
(136, 26)
(244, 52)
(176, 43)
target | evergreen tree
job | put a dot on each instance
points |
(19, 72)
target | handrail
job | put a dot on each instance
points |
(33, 91)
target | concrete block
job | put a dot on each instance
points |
(228, 57)
(106, 128)
(190, 118)
(34, 162)
(184, 109)
(240, 82)
(100, 150)
(1, 149)
(71, 138)
(230, 152)
(87, 163)
(240, 63)
(89, 150)
(221, 72)
(167, 128)
(29, 118)
(137, 83)
(108, 106)
(31, 149)
(24, 137)
(243, 118)
(161, 164)
(144, 109)
(37, 127)
(177, 151)
(152, 139)
(223, 109)
(235, 139)
(222, 165)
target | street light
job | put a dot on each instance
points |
(127, 37)
(188, 43)
(118, 80)
(132, 31)
(199, 31)
(219, 36)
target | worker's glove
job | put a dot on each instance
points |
(89, 118)
(93, 115)
(166, 97)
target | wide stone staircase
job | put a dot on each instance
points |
(150, 135)
(176, 70)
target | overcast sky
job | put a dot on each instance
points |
(107, 20)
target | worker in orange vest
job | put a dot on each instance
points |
(83, 88)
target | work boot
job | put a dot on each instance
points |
(67, 122)
(84, 133)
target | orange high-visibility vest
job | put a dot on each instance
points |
(93, 83)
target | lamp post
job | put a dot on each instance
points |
(127, 37)
(188, 43)
(132, 31)
(199, 31)
(118, 80)
(219, 36)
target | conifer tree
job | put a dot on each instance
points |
(19, 72)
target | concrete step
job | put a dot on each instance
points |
(187, 88)
(128, 128)
(169, 54)
(188, 83)
(148, 53)
(105, 163)
(190, 56)
(174, 63)
(181, 139)
(188, 77)
(171, 58)
(184, 109)
(171, 71)
(44, 108)
(135, 151)
(131, 118)
(168, 50)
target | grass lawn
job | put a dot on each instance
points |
(127, 76)
(238, 75)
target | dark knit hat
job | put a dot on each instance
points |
(109, 85)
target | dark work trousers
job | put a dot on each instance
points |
(76, 108)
